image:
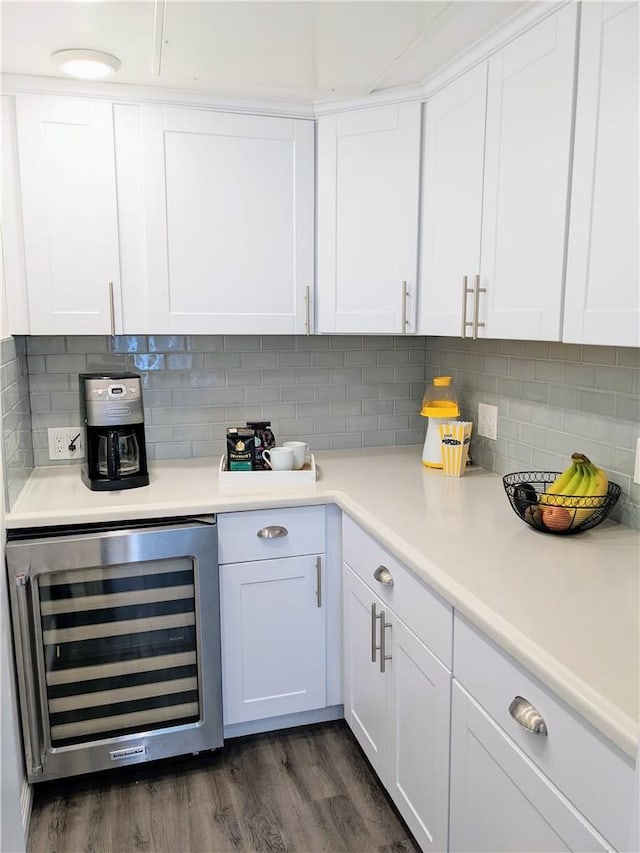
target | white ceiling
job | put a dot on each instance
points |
(303, 51)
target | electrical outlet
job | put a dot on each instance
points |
(488, 421)
(636, 467)
(61, 438)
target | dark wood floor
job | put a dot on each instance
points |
(308, 790)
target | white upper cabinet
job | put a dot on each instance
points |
(453, 163)
(228, 203)
(68, 192)
(368, 202)
(526, 181)
(512, 214)
(602, 294)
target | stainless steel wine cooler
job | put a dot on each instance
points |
(117, 638)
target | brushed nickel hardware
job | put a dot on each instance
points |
(477, 290)
(112, 310)
(307, 309)
(465, 291)
(405, 296)
(319, 580)
(383, 645)
(32, 746)
(524, 713)
(274, 531)
(383, 575)
(374, 645)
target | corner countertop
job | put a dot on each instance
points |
(566, 607)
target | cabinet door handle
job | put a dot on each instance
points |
(383, 644)
(274, 531)
(465, 290)
(383, 575)
(307, 309)
(477, 290)
(32, 743)
(319, 581)
(374, 645)
(524, 713)
(405, 296)
(112, 309)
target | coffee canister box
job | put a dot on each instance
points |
(264, 440)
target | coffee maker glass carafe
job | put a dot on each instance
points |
(118, 454)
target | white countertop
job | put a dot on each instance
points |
(564, 606)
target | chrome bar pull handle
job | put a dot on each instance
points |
(383, 644)
(374, 645)
(405, 296)
(307, 309)
(274, 531)
(319, 581)
(112, 309)
(524, 713)
(477, 290)
(383, 575)
(32, 743)
(465, 291)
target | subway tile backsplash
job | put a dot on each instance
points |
(16, 417)
(552, 399)
(336, 392)
(320, 389)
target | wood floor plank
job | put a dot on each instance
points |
(365, 790)
(304, 790)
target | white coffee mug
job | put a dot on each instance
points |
(300, 450)
(279, 458)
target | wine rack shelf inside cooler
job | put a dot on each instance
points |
(119, 649)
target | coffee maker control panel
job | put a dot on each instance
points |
(116, 392)
(108, 402)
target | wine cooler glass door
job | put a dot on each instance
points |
(119, 649)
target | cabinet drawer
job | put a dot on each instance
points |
(589, 770)
(239, 542)
(424, 612)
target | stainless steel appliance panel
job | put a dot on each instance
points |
(117, 645)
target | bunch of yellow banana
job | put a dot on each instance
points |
(579, 490)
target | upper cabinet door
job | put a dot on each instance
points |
(229, 221)
(602, 296)
(453, 162)
(68, 187)
(368, 196)
(526, 181)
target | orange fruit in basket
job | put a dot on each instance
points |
(556, 518)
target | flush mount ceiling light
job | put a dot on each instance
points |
(86, 64)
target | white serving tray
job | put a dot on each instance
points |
(258, 479)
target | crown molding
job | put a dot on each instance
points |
(518, 23)
(382, 97)
(125, 93)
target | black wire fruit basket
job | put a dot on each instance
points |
(559, 514)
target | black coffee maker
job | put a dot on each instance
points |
(111, 407)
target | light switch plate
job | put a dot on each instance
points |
(636, 467)
(488, 421)
(61, 438)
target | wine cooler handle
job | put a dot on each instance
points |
(32, 742)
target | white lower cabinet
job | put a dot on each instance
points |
(518, 786)
(500, 801)
(273, 612)
(397, 703)
(273, 638)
